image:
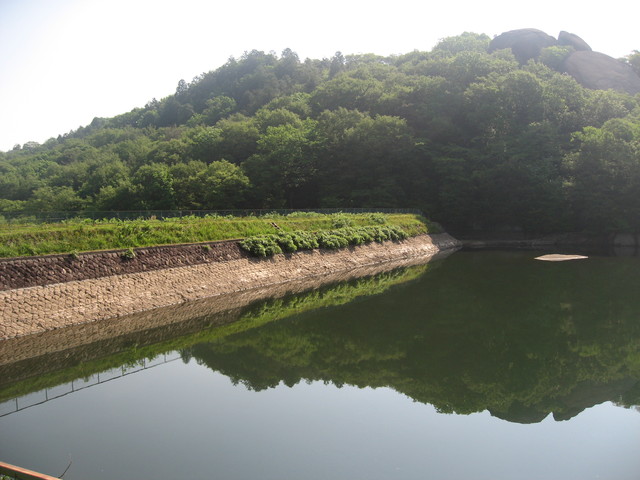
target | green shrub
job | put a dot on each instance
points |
(332, 240)
(287, 242)
(306, 240)
(304, 215)
(261, 245)
(341, 220)
(266, 245)
(380, 218)
(432, 227)
(25, 249)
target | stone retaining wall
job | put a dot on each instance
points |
(50, 269)
(40, 308)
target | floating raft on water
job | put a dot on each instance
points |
(556, 257)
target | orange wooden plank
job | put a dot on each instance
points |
(22, 473)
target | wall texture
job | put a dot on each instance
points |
(49, 269)
(46, 293)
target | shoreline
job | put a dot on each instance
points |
(39, 308)
(624, 244)
(77, 344)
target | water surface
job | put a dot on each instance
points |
(487, 365)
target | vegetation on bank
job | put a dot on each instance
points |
(475, 139)
(78, 235)
(267, 245)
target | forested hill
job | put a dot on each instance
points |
(470, 135)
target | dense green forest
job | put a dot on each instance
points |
(476, 140)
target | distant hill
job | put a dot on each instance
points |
(481, 134)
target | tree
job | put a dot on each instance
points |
(605, 178)
(633, 59)
(12, 205)
(116, 197)
(218, 108)
(601, 105)
(297, 103)
(203, 143)
(222, 185)
(500, 106)
(348, 90)
(15, 183)
(284, 165)
(363, 160)
(186, 184)
(153, 187)
(288, 64)
(110, 173)
(55, 199)
(238, 138)
(172, 112)
(170, 151)
(466, 42)
(182, 88)
(554, 57)
(337, 64)
(265, 118)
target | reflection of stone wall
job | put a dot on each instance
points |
(30, 310)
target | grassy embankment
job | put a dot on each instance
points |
(80, 235)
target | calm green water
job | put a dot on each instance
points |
(486, 365)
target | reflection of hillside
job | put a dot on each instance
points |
(92, 348)
(487, 331)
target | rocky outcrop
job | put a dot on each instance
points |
(526, 43)
(573, 40)
(601, 72)
(591, 69)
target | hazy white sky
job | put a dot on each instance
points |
(64, 62)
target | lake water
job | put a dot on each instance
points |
(485, 365)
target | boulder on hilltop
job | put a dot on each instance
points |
(525, 43)
(573, 40)
(601, 72)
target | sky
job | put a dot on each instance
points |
(64, 62)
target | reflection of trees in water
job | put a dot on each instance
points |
(32, 374)
(486, 331)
